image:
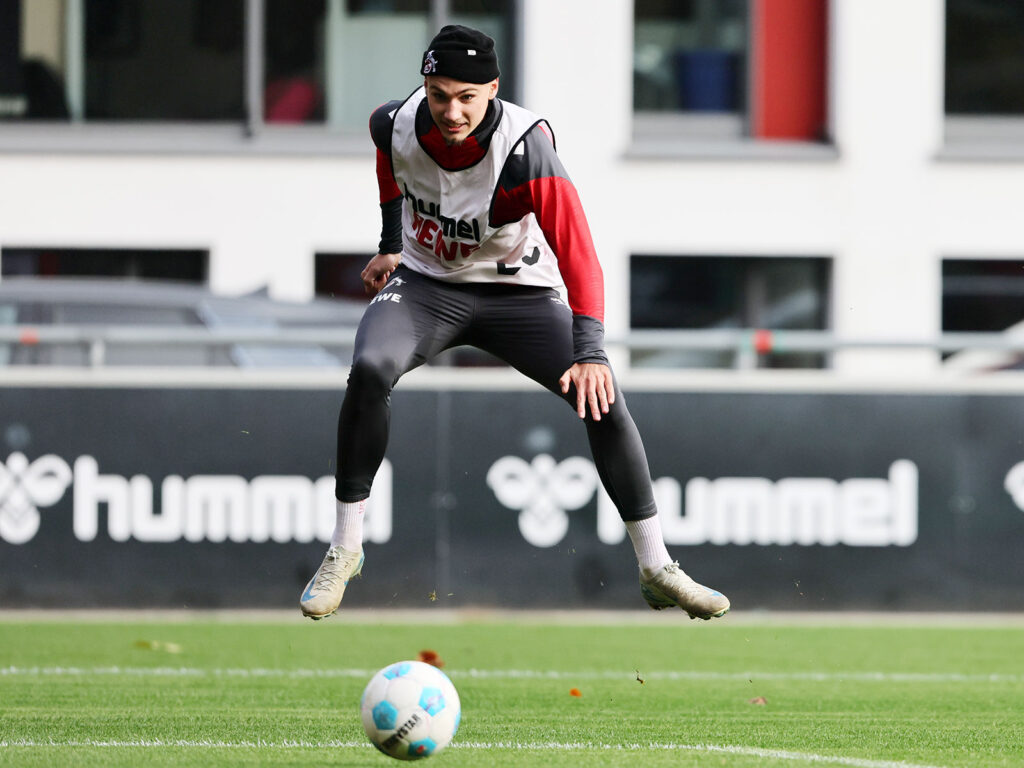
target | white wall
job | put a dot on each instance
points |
(261, 218)
(887, 80)
(886, 209)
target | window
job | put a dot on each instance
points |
(339, 275)
(122, 60)
(359, 29)
(985, 295)
(730, 68)
(32, 61)
(984, 57)
(689, 56)
(728, 292)
(148, 264)
(984, 92)
(164, 60)
(248, 63)
(294, 76)
(41, 286)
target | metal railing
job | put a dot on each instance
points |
(747, 345)
(96, 339)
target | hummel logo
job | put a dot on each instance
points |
(1014, 484)
(202, 507)
(543, 491)
(23, 488)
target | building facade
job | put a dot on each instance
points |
(847, 166)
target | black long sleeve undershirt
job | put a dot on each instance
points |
(391, 226)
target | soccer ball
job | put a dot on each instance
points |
(410, 710)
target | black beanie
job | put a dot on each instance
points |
(462, 54)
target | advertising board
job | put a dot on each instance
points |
(187, 498)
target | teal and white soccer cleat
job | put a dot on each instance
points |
(323, 594)
(670, 587)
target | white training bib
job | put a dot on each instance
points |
(445, 214)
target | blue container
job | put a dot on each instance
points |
(706, 80)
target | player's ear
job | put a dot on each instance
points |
(492, 88)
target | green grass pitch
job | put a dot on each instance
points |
(656, 690)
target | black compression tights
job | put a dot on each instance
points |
(415, 318)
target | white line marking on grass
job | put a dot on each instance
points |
(880, 677)
(546, 746)
(513, 674)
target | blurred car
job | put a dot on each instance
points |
(118, 322)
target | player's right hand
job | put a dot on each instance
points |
(378, 270)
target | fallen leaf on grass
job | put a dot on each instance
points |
(431, 658)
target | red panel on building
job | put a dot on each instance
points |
(789, 52)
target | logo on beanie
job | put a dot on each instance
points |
(429, 63)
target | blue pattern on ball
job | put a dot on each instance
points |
(385, 716)
(422, 748)
(397, 670)
(432, 700)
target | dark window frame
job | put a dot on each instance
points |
(742, 284)
(251, 135)
(973, 132)
(753, 128)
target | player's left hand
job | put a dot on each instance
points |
(594, 387)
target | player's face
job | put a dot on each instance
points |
(457, 107)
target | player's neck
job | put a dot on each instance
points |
(459, 154)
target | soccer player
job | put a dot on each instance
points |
(481, 228)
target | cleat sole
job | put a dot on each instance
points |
(318, 616)
(659, 602)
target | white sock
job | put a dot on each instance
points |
(649, 544)
(348, 530)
